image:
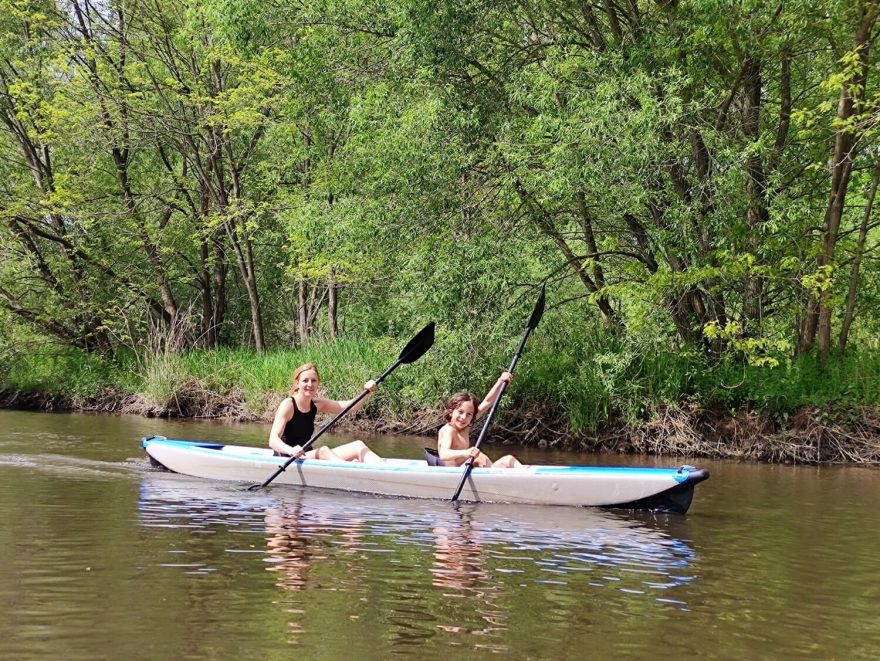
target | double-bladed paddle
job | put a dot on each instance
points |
(414, 350)
(537, 313)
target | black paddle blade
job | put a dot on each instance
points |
(538, 312)
(417, 346)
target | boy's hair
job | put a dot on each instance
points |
(457, 400)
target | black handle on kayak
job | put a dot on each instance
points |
(414, 350)
(537, 313)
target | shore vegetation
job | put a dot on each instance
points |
(197, 195)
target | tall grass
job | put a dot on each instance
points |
(594, 379)
(64, 372)
(587, 380)
(254, 383)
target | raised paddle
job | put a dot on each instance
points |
(537, 313)
(414, 350)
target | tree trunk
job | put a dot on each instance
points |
(221, 269)
(608, 315)
(808, 326)
(209, 331)
(332, 294)
(756, 186)
(574, 262)
(841, 168)
(857, 261)
(302, 313)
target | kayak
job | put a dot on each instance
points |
(654, 489)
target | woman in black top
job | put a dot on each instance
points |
(295, 421)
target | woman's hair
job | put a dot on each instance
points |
(457, 400)
(294, 379)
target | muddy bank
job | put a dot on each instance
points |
(808, 435)
(182, 405)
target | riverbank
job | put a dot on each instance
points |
(811, 435)
(608, 401)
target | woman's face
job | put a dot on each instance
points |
(462, 415)
(308, 382)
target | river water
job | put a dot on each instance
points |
(104, 557)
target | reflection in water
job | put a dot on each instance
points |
(297, 538)
(773, 562)
(459, 569)
(422, 569)
(457, 556)
(563, 545)
(290, 551)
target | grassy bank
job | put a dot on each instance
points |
(611, 398)
(218, 383)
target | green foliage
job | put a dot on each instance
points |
(210, 161)
(66, 372)
(586, 380)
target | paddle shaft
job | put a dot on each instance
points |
(533, 321)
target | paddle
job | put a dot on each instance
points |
(533, 322)
(414, 350)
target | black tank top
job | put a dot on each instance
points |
(301, 425)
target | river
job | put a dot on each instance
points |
(104, 557)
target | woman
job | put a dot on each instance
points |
(453, 439)
(295, 421)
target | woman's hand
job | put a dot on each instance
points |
(297, 451)
(370, 385)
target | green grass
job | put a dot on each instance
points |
(596, 381)
(259, 380)
(589, 380)
(64, 372)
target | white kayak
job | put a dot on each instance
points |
(655, 489)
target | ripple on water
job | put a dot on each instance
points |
(111, 555)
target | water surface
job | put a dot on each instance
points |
(102, 556)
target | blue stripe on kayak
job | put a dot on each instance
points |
(418, 465)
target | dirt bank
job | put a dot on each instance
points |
(808, 435)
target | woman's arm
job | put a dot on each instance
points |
(335, 406)
(282, 417)
(493, 394)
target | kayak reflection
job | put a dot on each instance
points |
(474, 550)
